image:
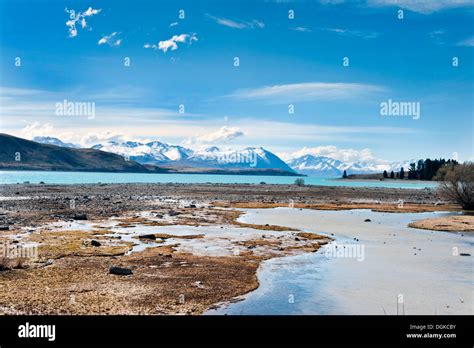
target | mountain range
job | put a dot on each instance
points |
(329, 167)
(173, 156)
(21, 154)
(52, 154)
(251, 159)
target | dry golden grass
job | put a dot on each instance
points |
(311, 236)
(54, 245)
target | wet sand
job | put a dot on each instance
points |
(464, 223)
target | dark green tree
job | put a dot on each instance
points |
(402, 173)
(412, 174)
(344, 175)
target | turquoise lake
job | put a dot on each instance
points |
(35, 177)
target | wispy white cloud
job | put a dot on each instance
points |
(110, 40)
(35, 129)
(353, 33)
(94, 138)
(237, 24)
(87, 139)
(419, 6)
(12, 92)
(79, 17)
(469, 42)
(28, 113)
(422, 6)
(437, 36)
(331, 2)
(302, 29)
(223, 134)
(172, 44)
(308, 91)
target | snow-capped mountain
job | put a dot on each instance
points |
(329, 167)
(53, 141)
(317, 166)
(159, 153)
(250, 157)
(153, 152)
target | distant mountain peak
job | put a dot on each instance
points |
(53, 141)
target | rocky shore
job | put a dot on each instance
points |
(158, 248)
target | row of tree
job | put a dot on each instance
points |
(421, 170)
(427, 169)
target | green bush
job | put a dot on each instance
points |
(299, 182)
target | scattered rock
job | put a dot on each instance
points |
(80, 217)
(464, 254)
(199, 284)
(367, 220)
(95, 243)
(147, 236)
(120, 271)
(173, 213)
(4, 228)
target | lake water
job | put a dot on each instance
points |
(35, 177)
(402, 270)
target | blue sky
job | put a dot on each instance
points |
(283, 62)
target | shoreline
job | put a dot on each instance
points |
(408, 181)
